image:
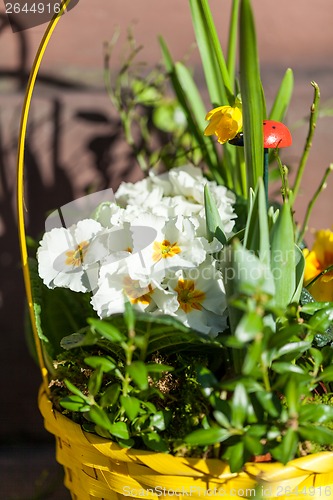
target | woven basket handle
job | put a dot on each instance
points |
(20, 180)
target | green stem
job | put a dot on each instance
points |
(266, 174)
(285, 190)
(308, 143)
(265, 377)
(311, 204)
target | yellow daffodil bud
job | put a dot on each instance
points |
(225, 123)
(316, 261)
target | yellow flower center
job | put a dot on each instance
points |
(75, 257)
(135, 292)
(164, 249)
(188, 296)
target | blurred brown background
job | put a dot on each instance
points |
(68, 151)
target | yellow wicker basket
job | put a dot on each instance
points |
(96, 468)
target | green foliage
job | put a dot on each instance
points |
(264, 385)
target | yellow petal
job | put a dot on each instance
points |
(212, 112)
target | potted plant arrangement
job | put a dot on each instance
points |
(183, 329)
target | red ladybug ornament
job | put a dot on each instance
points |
(276, 135)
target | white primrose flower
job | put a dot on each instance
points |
(175, 246)
(201, 297)
(143, 194)
(149, 248)
(109, 214)
(69, 257)
(180, 191)
(116, 287)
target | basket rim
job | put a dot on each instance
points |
(62, 426)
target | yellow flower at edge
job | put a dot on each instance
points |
(316, 261)
(225, 123)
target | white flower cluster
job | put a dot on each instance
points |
(150, 247)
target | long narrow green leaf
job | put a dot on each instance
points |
(221, 63)
(213, 219)
(198, 112)
(192, 93)
(283, 257)
(300, 267)
(252, 95)
(256, 238)
(283, 96)
(243, 272)
(209, 152)
(232, 41)
(215, 69)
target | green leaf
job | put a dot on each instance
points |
(155, 442)
(129, 316)
(209, 152)
(252, 357)
(214, 66)
(252, 96)
(232, 40)
(270, 403)
(119, 430)
(174, 336)
(326, 375)
(256, 237)
(222, 419)
(138, 372)
(159, 420)
(206, 379)
(78, 339)
(293, 348)
(310, 307)
(74, 403)
(236, 458)
(158, 368)
(76, 391)
(99, 417)
(284, 367)
(110, 395)
(243, 274)
(300, 267)
(131, 406)
(283, 96)
(126, 443)
(287, 449)
(105, 364)
(322, 319)
(249, 326)
(205, 437)
(316, 434)
(292, 394)
(106, 330)
(252, 445)
(148, 318)
(283, 257)
(318, 413)
(239, 406)
(193, 95)
(95, 381)
(213, 219)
